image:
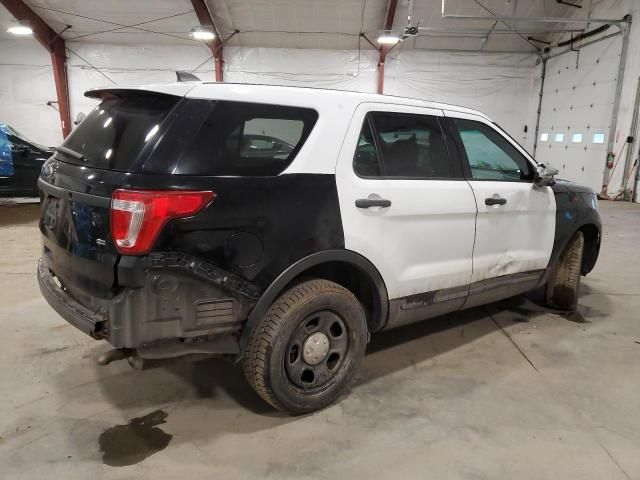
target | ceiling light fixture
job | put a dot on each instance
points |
(20, 29)
(203, 33)
(388, 39)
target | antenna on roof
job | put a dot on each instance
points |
(186, 77)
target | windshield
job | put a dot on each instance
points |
(115, 133)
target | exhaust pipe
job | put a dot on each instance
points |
(115, 354)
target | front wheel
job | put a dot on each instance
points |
(306, 349)
(564, 284)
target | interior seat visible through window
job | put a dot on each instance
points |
(408, 146)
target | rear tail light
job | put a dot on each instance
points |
(137, 216)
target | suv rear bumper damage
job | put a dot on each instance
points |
(166, 305)
(72, 311)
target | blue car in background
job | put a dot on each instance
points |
(20, 163)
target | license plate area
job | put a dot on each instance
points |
(51, 212)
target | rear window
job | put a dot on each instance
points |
(237, 139)
(115, 133)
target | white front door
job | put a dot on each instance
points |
(404, 205)
(515, 228)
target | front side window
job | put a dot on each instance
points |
(410, 146)
(490, 155)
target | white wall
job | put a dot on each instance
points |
(618, 8)
(505, 87)
(26, 85)
(502, 86)
(614, 9)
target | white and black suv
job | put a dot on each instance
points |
(282, 226)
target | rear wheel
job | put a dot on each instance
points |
(564, 284)
(305, 350)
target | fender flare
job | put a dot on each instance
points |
(591, 220)
(279, 284)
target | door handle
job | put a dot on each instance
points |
(495, 200)
(372, 202)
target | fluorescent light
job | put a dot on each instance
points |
(203, 33)
(388, 39)
(20, 30)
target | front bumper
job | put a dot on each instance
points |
(173, 300)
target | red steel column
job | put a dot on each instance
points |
(204, 17)
(59, 62)
(388, 25)
(55, 46)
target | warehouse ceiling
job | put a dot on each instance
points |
(323, 24)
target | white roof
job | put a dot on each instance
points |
(316, 98)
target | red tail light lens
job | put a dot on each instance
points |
(137, 216)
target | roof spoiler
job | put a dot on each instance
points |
(173, 89)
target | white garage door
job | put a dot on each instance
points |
(577, 104)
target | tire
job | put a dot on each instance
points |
(302, 318)
(563, 286)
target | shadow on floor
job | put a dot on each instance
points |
(218, 387)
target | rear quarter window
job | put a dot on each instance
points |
(242, 139)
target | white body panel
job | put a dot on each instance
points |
(437, 234)
(517, 236)
(424, 240)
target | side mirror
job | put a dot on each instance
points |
(545, 176)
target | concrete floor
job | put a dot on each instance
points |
(502, 392)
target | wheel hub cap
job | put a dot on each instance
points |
(315, 348)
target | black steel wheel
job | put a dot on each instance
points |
(316, 349)
(304, 352)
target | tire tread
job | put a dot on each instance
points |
(562, 289)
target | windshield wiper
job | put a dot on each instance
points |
(71, 153)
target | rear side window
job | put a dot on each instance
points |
(246, 139)
(408, 146)
(114, 134)
(490, 155)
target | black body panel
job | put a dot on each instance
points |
(258, 226)
(255, 228)
(205, 272)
